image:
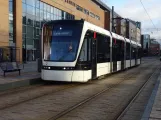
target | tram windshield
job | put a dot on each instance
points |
(61, 42)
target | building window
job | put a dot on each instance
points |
(11, 6)
(79, 8)
(35, 13)
(86, 11)
(11, 28)
(92, 14)
(97, 17)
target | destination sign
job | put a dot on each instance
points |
(62, 33)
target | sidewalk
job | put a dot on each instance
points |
(153, 109)
(29, 76)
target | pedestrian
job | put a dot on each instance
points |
(7, 58)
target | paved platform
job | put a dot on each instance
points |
(29, 75)
(153, 108)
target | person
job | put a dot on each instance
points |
(7, 57)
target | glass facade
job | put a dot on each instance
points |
(34, 14)
(146, 41)
(145, 44)
(11, 40)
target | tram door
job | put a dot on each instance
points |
(136, 52)
(122, 56)
(114, 55)
(94, 58)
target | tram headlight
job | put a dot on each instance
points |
(49, 68)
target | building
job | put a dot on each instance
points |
(154, 48)
(150, 46)
(145, 42)
(133, 32)
(128, 28)
(22, 20)
(138, 32)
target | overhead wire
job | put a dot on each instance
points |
(148, 15)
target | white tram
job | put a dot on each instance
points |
(78, 51)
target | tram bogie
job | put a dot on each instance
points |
(78, 51)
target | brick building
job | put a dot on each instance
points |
(154, 48)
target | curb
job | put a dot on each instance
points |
(21, 83)
(148, 109)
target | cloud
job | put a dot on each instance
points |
(135, 11)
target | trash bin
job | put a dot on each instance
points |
(39, 65)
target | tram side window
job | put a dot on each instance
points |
(139, 52)
(85, 54)
(47, 34)
(114, 49)
(103, 48)
(133, 52)
(127, 51)
(119, 50)
(122, 45)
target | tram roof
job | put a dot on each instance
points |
(138, 44)
(96, 28)
(114, 35)
(127, 40)
(133, 42)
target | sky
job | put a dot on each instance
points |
(134, 10)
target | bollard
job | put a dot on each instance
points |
(39, 65)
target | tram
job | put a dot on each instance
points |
(78, 51)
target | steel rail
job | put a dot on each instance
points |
(61, 114)
(39, 96)
(119, 117)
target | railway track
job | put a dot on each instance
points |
(72, 108)
(120, 115)
(10, 103)
(32, 88)
(122, 76)
(59, 88)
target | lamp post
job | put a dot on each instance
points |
(118, 18)
(112, 18)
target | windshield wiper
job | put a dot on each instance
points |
(62, 58)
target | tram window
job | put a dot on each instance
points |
(127, 51)
(47, 37)
(85, 54)
(114, 49)
(139, 52)
(122, 47)
(117, 50)
(133, 52)
(61, 41)
(103, 48)
(118, 55)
